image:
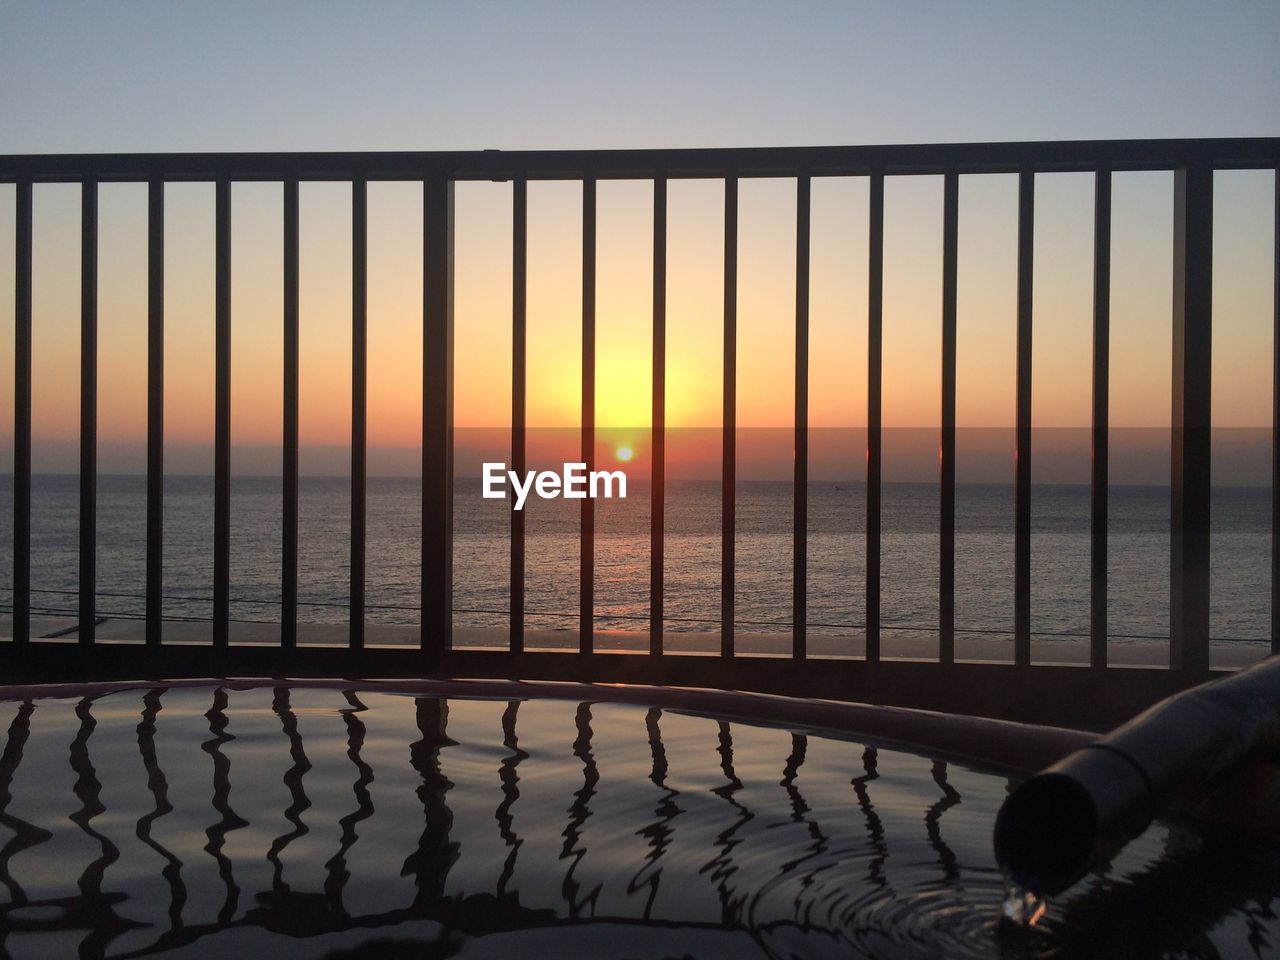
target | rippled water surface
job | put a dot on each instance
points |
(308, 822)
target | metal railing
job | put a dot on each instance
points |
(1193, 163)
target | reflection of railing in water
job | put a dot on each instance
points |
(24, 834)
(744, 898)
(659, 833)
(293, 780)
(217, 832)
(579, 811)
(94, 907)
(159, 787)
(436, 853)
(508, 773)
(338, 875)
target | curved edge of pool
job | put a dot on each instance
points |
(998, 745)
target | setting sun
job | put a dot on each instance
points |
(624, 453)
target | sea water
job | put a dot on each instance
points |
(1138, 571)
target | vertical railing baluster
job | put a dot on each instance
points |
(658, 427)
(359, 402)
(729, 428)
(155, 409)
(437, 415)
(1275, 426)
(222, 415)
(22, 415)
(519, 318)
(289, 533)
(586, 557)
(1192, 366)
(875, 362)
(800, 481)
(1101, 419)
(1022, 466)
(947, 445)
(88, 409)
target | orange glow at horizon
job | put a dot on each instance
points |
(624, 338)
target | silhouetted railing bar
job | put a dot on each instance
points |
(88, 408)
(875, 316)
(586, 545)
(729, 454)
(1079, 156)
(1022, 467)
(289, 520)
(22, 416)
(359, 402)
(519, 302)
(1101, 419)
(1189, 482)
(1275, 428)
(947, 439)
(437, 415)
(657, 499)
(222, 415)
(155, 410)
(800, 486)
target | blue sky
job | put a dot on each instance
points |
(232, 76)
(250, 76)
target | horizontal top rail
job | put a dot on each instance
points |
(1049, 156)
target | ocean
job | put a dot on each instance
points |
(1138, 569)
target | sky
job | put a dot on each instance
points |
(233, 76)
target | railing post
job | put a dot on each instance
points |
(1192, 365)
(1022, 466)
(875, 359)
(222, 415)
(155, 409)
(729, 438)
(947, 444)
(437, 415)
(359, 403)
(658, 425)
(587, 529)
(1101, 419)
(22, 417)
(519, 310)
(88, 409)
(800, 491)
(1275, 428)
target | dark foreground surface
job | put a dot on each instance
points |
(260, 821)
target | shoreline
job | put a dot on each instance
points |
(1229, 654)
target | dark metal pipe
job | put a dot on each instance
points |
(1078, 813)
